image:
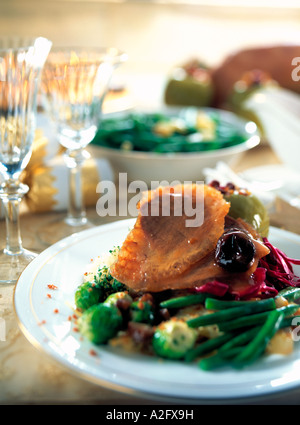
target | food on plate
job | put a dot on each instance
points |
(274, 60)
(161, 251)
(218, 292)
(226, 84)
(246, 86)
(190, 85)
(100, 322)
(164, 253)
(245, 204)
(191, 130)
(172, 339)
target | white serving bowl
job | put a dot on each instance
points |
(186, 166)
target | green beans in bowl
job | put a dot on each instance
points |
(172, 144)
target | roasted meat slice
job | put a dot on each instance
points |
(162, 246)
(161, 252)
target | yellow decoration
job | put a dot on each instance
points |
(37, 176)
(40, 178)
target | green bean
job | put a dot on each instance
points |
(258, 344)
(240, 339)
(289, 310)
(244, 337)
(254, 319)
(140, 130)
(219, 359)
(240, 349)
(230, 344)
(208, 346)
(289, 321)
(290, 293)
(215, 304)
(231, 313)
(231, 352)
(243, 322)
(184, 301)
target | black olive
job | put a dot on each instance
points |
(235, 251)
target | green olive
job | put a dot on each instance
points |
(250, 209)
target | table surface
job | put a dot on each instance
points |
(29, 376)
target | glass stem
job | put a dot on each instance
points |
(76, 212)
(11, 195)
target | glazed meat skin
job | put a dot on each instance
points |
(161, 250)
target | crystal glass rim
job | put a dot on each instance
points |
(28, 43)
(110, 52)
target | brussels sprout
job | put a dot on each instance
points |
(250, 209)
(100, 323)
(117, 296)
(142, 312)
(87, 295)
(173, 338)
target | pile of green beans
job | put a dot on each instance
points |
(135, 131)
(246, 327)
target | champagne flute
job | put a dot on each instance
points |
(21, 62)
(75, 81)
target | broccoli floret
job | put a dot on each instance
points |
(87, 295)
(113, 299)
(173, 338)
(100, 323)
(142, 312)
(107, 282)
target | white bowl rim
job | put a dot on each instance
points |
(251, 142)
(241, 147)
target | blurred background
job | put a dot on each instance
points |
(157, 35)
(201, 53)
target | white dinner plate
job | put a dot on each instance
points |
(46, 323)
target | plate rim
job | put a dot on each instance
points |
(122, 388)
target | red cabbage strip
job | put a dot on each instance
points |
(258, 288)
(274, 272)
(288, 259)
(279, 266)
(214, 287)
